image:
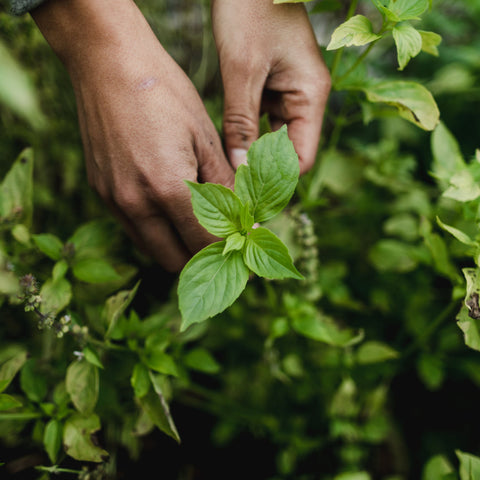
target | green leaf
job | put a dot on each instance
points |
(408, 42)
(353, 476)
(7, 402)
(49, 244)
(52, 439)
(356, 31)
(468, 318)
(210, 282)
(458, 234)
(311, 323)
(463, 187)
(92, 357)
(32, 382)
(436, 468)
(16, 190)
(269, 180)
(140, 380)
(157, 409)
(201, 360)
(447, 157)
(216, 207)
(11, 367)
(161, 362)
(82, 383)
(375, 352)
(56, 295)
(236, 241)
(400, 10)
(116, 305)
(267, 256)
(469, 466)
(413, 101)
(77, 438)
(430, 42)
(17, 90)
(95, 270)
(93, 239)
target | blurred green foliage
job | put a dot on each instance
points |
(360, 372)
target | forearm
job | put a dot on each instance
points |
(92, 36)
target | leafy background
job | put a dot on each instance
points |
(359, 372)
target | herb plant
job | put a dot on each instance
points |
(214, 278)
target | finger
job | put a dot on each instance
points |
(153, 235)
(303, 113)
(243, 88)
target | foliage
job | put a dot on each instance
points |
(354, 372)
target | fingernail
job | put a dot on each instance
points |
(238, 156)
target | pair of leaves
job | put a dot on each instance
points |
(214, 278)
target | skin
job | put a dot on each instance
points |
(144, 127)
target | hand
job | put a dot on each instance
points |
(143, 125)
(270, 62)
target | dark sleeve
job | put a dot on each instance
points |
(19, 7)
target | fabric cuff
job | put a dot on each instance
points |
(19, 7)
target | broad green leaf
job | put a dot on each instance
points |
(469, 466)
(236, 241)
(431, 370)
(52, 439)
(210, 282)
(314, 325)
(11, 367)
(82, 383)
(93, 239)
(353, 476)
(95, 270)
(17, 90)
(21, 234)
(201, 360)
(16, 190)
(157, 409)
(9, 284)
(458, 234)
(468, 318)
(408, 42)
(246, 218)
(216, 207)
(430, 42)
(269, 180)
(375, 352)
(161, 362)
(32, 382)
(393, 255)
(267, 256)
(92, 357)
(326, 6)
(400, 10)
(116, 305)
(140, 380)
(77, 438)
(447, 157)
(436, 468)
(49, 244)
(356, 31)
(413, 101)
(7, 402)
(463, 187)
(56, 295)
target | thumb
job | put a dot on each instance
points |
(241, 114)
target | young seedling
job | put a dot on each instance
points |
(216, 276)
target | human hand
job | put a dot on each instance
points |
(270, 62)
(144, 127)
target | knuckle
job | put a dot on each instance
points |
(128, 200)
(239, 124)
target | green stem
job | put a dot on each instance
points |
(56, 470)
(432, 328)
(339, 52)
(357, 62)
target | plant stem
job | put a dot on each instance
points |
(339, 52)
(357, 62)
